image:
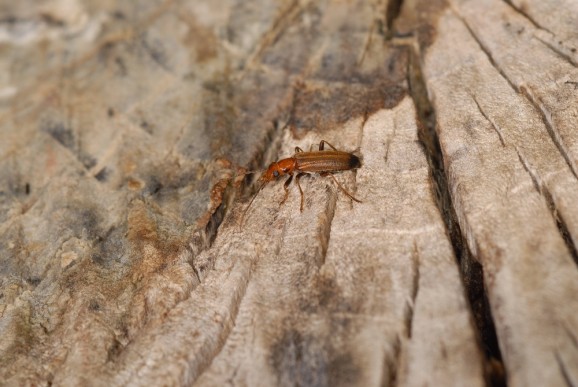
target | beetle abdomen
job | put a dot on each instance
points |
(326, 161)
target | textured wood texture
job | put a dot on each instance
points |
(124, 133)
(506, 126)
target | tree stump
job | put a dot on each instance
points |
(129, 255)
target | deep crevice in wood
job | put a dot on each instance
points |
(393, 364)
(392, 12)
(470, 269)
(204, 238)
(270, 146)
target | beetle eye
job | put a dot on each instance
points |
(275, 173)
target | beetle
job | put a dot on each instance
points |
(324, 162)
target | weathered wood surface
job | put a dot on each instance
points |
(507, 130)
(123, 127)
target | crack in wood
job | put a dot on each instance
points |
(157, 54)
(528, 169)
(546, 115)
(527, 17)
(564, 371)
(287, 15)
(392, 13)
(494, 125)
(270, 147)
(367, 44)
(325, 233)
(571, 335)
(561, 54)
(551, 128)
(206, 236)
(414, 289)
(471, 272)
(485, 50)
(212, 345)
(392, 364)
(234, 312)
(544, 191)
(192, 263)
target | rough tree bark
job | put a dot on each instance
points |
(124, 133)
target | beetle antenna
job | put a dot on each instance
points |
(251, 202)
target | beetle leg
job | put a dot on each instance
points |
(322, 145)
(297, 149)
(300, 190)
(341, 188)
(286, 187)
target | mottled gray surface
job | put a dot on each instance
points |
(123, 133)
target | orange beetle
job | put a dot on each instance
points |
(324, 162)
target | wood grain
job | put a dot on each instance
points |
(125, 132)
(513, 179)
